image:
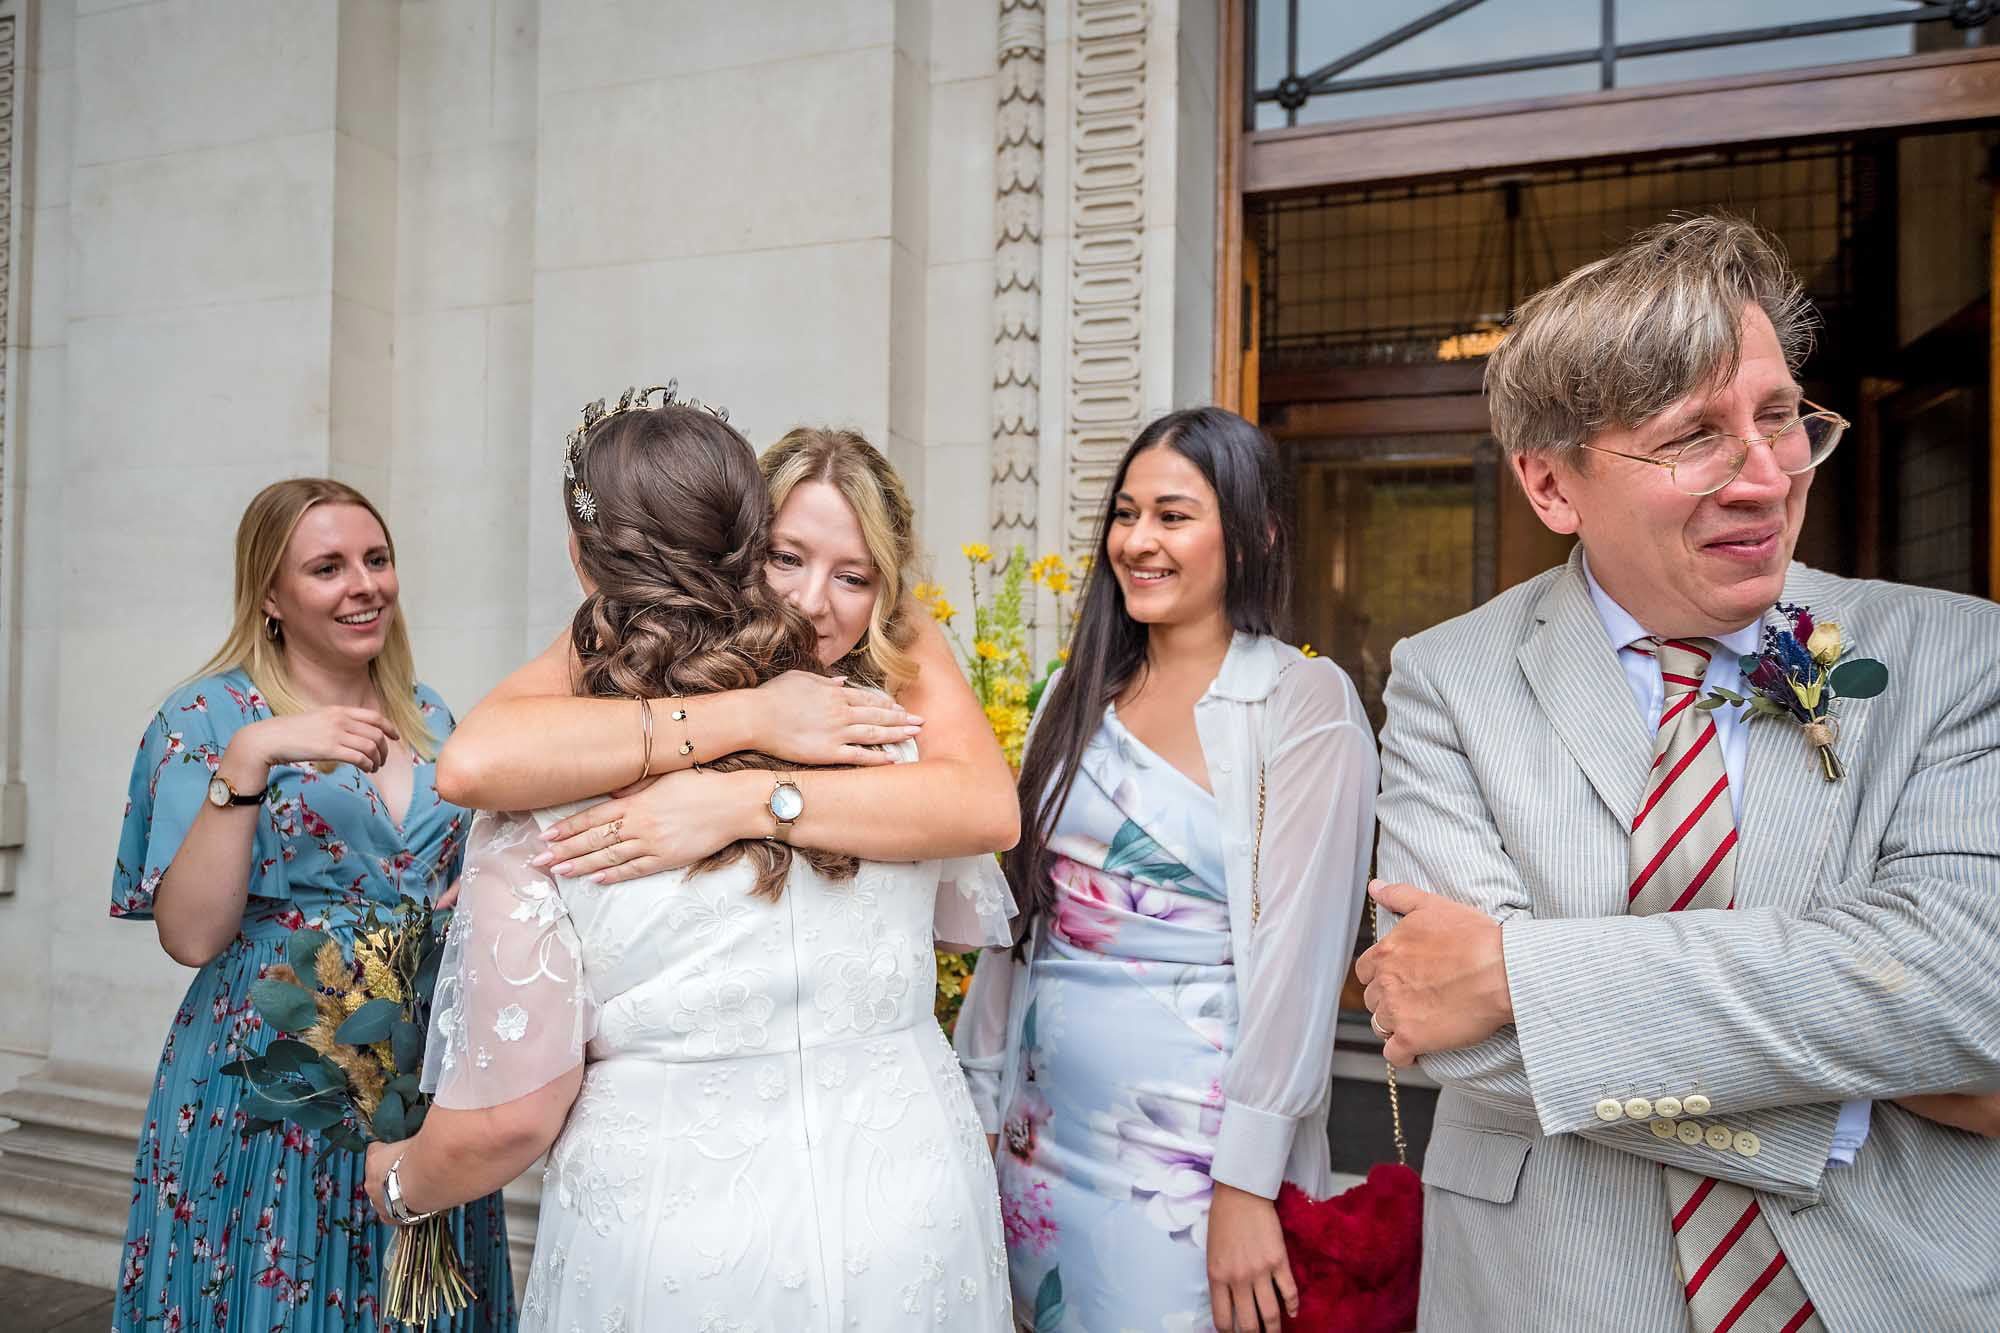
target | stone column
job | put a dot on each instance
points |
(1017, 274)
(214, 315)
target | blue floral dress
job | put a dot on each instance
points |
(231, 1233)
(1130, 1021)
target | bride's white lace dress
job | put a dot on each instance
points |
(772, 1133)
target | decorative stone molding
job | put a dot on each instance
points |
(1017, 274)
(1107, 250)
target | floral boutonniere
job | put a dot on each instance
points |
(1801, 673)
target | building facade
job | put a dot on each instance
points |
(403, 244)
(403, 241)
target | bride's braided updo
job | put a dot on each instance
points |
(672, 520)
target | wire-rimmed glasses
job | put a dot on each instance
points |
(1704, 466)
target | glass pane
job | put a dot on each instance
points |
(1757, 57)
(1448, 93)
(1496, 30)
(1386, 548)
(1651, 21)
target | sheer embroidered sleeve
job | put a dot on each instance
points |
(511, 1010)
(1319, 830)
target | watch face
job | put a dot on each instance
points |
(787, 803)
(218, 791)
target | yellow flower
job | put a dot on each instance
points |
(1058, 582)
(1307, 649)
(987, 649)
(927, 592)
(1011, 689)
(1048, 568)
(979, 553)
(1062, 654)
(1824, 645)
(942, 611)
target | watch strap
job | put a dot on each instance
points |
(238, 797)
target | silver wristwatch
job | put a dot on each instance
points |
(392, 1194)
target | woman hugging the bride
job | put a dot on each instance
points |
(769, 1131)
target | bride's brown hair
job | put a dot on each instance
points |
(671, 520)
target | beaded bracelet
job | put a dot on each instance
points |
(680, 715)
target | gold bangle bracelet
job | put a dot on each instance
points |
(645, 738)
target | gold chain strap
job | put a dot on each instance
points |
(1375, 928)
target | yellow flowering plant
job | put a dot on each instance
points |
(999, 662)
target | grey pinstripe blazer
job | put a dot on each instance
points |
(1862, 961)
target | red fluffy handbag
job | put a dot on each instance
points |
(1355, 1256)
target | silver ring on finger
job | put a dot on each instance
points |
(1375, 1026)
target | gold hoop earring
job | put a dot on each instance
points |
(274, 628)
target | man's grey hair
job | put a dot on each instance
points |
(1625, 337)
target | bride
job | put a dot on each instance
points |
(768, 1132)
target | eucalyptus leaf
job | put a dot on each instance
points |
(1748, 664)
(282, 1005)
(238, 1068)
(1859, 678)
(302, 951)
(1711, 703)
(285, 1056)
(371, 1023)
(406, 1040)
(424, 984)
(324, 1075)
(314, 1115)
(406, 1087)
(1731, 695)
(413, 1120)
(388, 1122)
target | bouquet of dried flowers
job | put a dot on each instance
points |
(349, 1070)
(1000, 665)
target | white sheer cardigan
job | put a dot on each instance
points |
(1300, 720)
(513, 1007)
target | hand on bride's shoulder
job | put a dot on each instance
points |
(808, 718)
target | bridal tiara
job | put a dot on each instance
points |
(596, 414)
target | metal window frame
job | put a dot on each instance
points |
(1295, 89)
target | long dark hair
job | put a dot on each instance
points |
(1240, 464)
(675, 543)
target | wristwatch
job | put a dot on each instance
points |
(221, 795)
(392, 1194)
(786, 803)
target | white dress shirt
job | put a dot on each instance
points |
(1642, 673)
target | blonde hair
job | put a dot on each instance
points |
(848, 463)
(261, 538)
(1622, 339)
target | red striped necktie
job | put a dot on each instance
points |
(1684, 859)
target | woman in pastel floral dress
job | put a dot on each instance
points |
(289, 785)
(1203, 803)
(765, 1128)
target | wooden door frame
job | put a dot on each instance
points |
(1938, 89)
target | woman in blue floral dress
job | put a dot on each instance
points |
(288, 786)
(1198, 809)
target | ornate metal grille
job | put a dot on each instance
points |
(1421, 272)
(1383, 63)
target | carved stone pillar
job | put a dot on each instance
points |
(1017, 275)
(1106, 400)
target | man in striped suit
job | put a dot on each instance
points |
(1710, 1024)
